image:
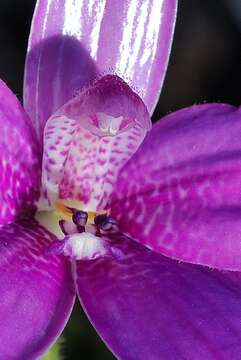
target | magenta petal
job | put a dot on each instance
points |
(72, 42)
(146, 306)
(180, 193)
(19, 158)
(36, 291)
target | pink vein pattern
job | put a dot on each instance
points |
(88, 141)
(37, 292)
(180, 193)
(19, 161)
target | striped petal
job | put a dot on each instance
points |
(36, 291)
(88, 141)
(146, 306)
(72, 42)
(180, 193)
(19, 159)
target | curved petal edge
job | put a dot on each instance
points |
(37, 292)
(180, 192)
(20, 159)
(72, 43)
(146, 306)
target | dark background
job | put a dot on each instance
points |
(205, 66)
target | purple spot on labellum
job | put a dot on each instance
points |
(106, 223)
(79, 218)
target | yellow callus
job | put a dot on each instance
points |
(63, 210)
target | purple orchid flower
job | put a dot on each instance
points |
(150, 228)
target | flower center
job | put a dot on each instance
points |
(65, 210)
(83, 157)
(81, 234)
(87, 142)
(80, 220)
